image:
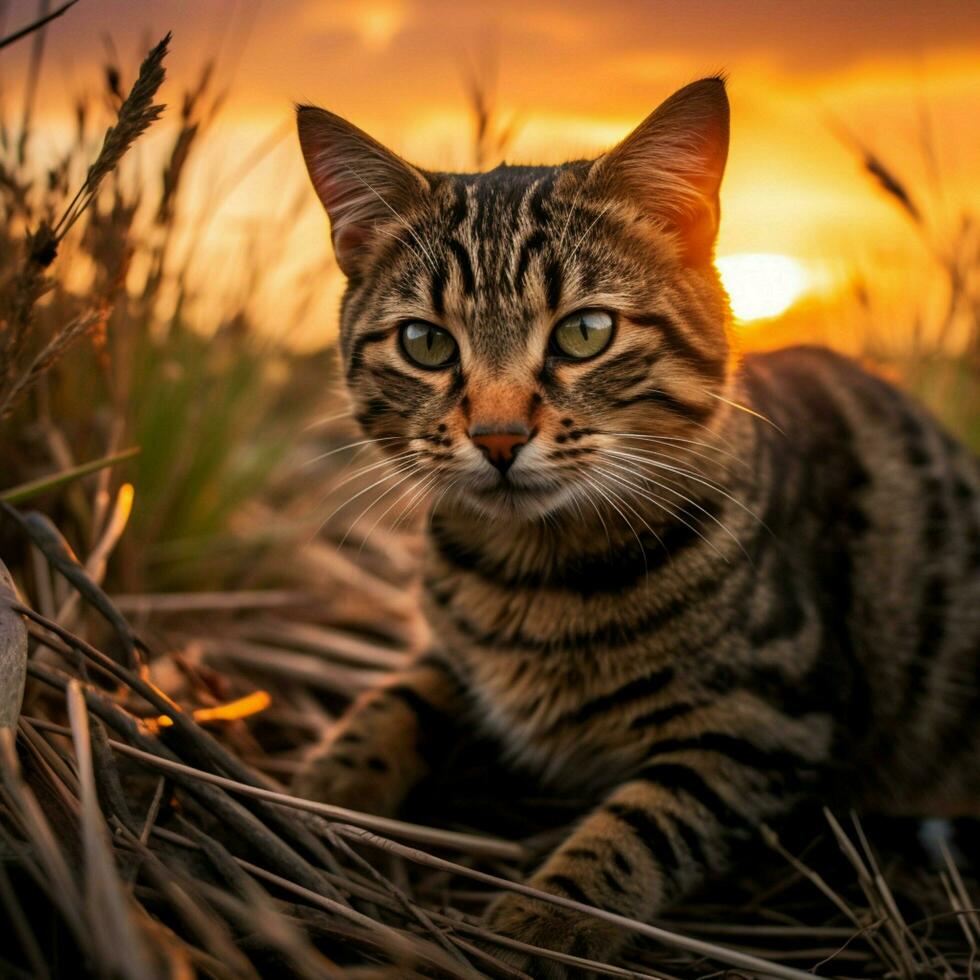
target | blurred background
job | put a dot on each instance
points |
(815, 87)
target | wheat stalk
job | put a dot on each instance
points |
(85, 324)
(136, 114)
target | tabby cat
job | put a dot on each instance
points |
(698, 589)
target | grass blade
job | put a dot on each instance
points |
(36, 25)
(59, 554)
(25, 491)
(116, 936)
(13, 653)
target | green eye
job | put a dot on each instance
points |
(582, 335)
(427, 345)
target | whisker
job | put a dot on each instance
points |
(585, 233)
(672, 487)
(689, 475)
(398, 238)
(661, 454)
(334, 486)
(638, 513)
(568, 216)
(327, 419)
(650, 460)
(671, 440)
(369, 467)
(618, 510)
(419, 497)
(439, 499)
(714, 440)
(687, 500)
(351, 445)
(744, 408)
(391, 506)
(592, 503)
(661, 502)
(642, 519)
(412, 469)
(578, 507)
(401, 468)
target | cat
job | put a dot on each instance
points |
(700, 589)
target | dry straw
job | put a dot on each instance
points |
(136, 114)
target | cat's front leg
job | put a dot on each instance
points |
(654, 839)
(388, 739)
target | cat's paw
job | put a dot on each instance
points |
(539, 923)
(355, 780)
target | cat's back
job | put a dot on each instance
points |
(880, 475)
(821, 402)
(888, 503)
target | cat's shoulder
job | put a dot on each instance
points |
(823, 386)
(815, 358)
(811, 365)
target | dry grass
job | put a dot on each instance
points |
(177, 662)
(938, 356)
(26, 283)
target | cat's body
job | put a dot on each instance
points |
(834, 600)
(701, 592)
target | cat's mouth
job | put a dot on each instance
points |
(516, 498)
(505, 489)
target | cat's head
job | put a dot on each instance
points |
(516, 335)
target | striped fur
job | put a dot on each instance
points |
(707, 591)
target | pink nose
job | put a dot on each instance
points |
(500, 446)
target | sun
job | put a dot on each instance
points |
(762, 285)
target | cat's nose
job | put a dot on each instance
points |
(500, 444)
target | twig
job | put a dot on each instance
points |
(37, 24)
(22, 927)
(218, 803)
(60, 884)
(153, 810)
(197, 741)
(164, 603)
(13, 652)
(58, 552)
(467, 843)
(117, 939)
(664, 936)
(95, 564)
(477, 931)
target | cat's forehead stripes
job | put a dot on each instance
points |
(486, 238)
(506, 251)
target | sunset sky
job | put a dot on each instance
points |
(575, 76)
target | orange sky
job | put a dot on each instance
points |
(576, 75)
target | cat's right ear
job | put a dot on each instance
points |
(673, 162)
(359, 181)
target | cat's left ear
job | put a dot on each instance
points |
(361, 184)
(673, 162)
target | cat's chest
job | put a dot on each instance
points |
(534, 689)
(538, 711)
(563, 677)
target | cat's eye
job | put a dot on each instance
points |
(583, 334)
(427, 345)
